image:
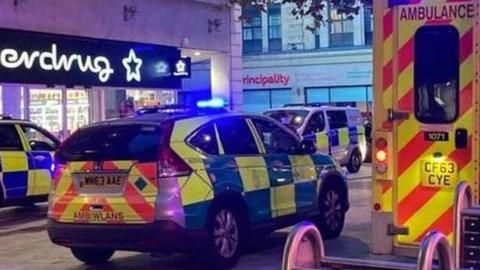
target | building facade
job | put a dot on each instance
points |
(284, 62)
(67, 63)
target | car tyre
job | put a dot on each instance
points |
(91, 256)
(332, 212)
(225, 237)
(355, 161)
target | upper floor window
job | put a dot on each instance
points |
(341, 29)
(368, 21)
(252, 30)
(275, 27)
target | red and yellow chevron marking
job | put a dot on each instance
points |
(420, 208)
(135, 205)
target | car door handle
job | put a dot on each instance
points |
(40, 158)
(280, 168)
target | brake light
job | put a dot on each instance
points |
(171, 165)
(381, 155)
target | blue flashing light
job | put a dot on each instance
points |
(214, 103)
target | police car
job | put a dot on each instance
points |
(26, 154)
(338, 131)
(183, 183)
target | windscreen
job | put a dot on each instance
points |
(113, 142)
(293, 118)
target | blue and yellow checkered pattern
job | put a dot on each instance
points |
(273, 185)
(22, 174)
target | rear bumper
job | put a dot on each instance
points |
(160, 236)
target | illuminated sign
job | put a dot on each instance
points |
(50, 59)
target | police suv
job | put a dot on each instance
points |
(179, 183)
(26, 154)
(338, 131)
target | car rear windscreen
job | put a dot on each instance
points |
(113, 142)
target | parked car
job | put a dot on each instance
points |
(188, 182)
(337, 131)
(26, 155)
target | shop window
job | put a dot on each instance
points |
(368, 24)
(437, 71)
(206, 140)
(341, 29)
(46, 109)
(9, 139)
(236, 137)
(348, 94)
(275, 27)
(281, 97)
(78, 110)
(256, 101)
(252, 30)
(1, 101)
(320, 95)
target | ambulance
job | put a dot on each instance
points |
(426, 118)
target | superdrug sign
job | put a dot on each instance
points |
(38, 58)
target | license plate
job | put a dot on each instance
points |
(438, 174)
(101, 182)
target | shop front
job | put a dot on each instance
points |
(345, 84)
(65, 82)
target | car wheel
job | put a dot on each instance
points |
(91, 256)
(355, 162)
(225, 231)
(332, 212)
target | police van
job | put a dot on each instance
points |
(26, 155)
(337, 131)
(188, 182)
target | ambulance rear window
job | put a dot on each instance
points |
(113, 142)
(437, 72)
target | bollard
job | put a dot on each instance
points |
(304, 248)
(435, 241)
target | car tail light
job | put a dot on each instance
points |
(381, 155)
(57, 168)
(169, 163)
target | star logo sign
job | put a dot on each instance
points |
(181, 68)
(133, 64)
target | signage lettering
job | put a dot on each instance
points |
(435, 136)
(50, 60)
(447, 12)
(264, 80)
(105, 216)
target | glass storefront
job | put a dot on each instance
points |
(1, 103)
(46, 109)
(121, 103)
(78, 109)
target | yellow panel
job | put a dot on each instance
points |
(14, 161)
(196, 188)
(303, 168)
(322, 141)
(31, 183)
(284, 197)
(254, 173)
(344, 136)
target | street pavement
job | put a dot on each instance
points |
(24, 243)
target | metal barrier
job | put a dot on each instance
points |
(304, 250)
(435, 242)
(463, 200)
